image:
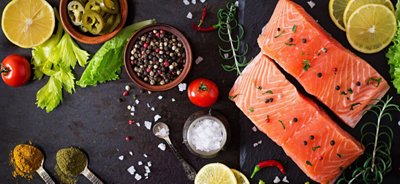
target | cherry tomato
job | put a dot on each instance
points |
(15, 70)
(203, 92)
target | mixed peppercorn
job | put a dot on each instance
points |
(158, 57)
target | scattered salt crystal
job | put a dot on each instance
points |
(129, 107)
(149, 164)
(153, 109)
(285, 179)
(137, 101)
(148, 105)
(198, 60)
(311, 4)
(149, 92)
(255, 145)
(398, 123)
(254, 129)
(146, 174)
(133, 108)
(186, 2)
(127, 88)
(259, 142)
(162, 146)
(147, 124)
(131, 170)
(193, 1)
(145, 155)
(163, 132)
(147, 169)
(146, 178)
(206, 135)
(157, 117)
(138, 124)
(189, 15)
(182, 87)
(226, 55)
(160, 97)
(131, 153)
(121, 157)
(277, 180)
(140, 163)
(173, 100)
(202, 1)
(132, 114)
(138, 177)
(237, 3)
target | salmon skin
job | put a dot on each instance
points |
(307, 135)
(341, 80)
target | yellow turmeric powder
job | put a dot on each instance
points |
(26, 159)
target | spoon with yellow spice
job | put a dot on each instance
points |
(27, 160)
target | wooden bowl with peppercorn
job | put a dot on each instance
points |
(158, 57)
(93, 21)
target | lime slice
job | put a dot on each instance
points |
(28, 23)
(336, 10)
(353, 5)
(371, 28)
(240, 177)
(215, 173)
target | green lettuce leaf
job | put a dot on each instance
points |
(50, 95)
(107, 62)
(393, 53)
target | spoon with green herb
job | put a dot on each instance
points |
(72, 162)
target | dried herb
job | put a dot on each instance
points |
(70, 163)
(378, 138)
(350, 90)
(232, 97)
(231, 32)
(279, 34)
(306, 65)
(251, 109)
(283, 125)
(309, 163)
(294, 28)
(315, 148)
(290, 44)
(377, 80)
(353, 105)
(339, 155)
(268, 92)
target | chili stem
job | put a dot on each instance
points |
(228, 27)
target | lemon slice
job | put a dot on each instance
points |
(240, 177)
(28, 23)
(336, 10)
(215, 173)
(371, 28)
(353, 5)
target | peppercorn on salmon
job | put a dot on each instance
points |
(307, 135)
(344, 82)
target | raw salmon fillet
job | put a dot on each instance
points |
(307, 135)
(341, 80)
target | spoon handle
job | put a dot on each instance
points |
(45, 176)
(189, 171)
(91, 177)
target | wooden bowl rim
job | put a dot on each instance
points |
(81, 37)
(132, 75)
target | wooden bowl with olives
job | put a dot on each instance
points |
(158, 57)
(93, 21)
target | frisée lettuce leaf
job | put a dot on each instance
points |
(393, 53)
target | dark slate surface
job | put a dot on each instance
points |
(94, 120)
(256, 15)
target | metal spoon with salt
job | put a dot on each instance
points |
(90, 176)
(44, 175)
(161, 130)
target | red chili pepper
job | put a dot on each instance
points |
(205, 29)
(268, 163)
(203, 16)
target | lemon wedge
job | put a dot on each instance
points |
(353, 5)
(215, 173)
(371, 28)
(28, 23)
(240, 177)
(336, 10)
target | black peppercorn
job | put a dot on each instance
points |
(311, 137)
(319, 75)
(305, 143)
(295, 120)
(358, 83)
(337, 88)
(332, 142)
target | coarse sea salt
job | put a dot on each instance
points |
(311, 4)
(206, 135)
(153, 109)
(285, 179)
(189, 15)
(161, 146)
(182, 87)
(138, 177)
(121, 157)
(163, 132)
(173, 100)
(148, 124)
(131, 153)
(145, 155)
(202, 1)
(131, 170)
(138, 124)
(140, 163)
(277, 180)
(157, 117)
(186, 2)
(160, 97)
(193, 1)
(254, 129)
(137, 101)
(198, 60)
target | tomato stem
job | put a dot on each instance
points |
(203, 87)
(4, 69)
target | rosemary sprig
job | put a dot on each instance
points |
(378, 139)
(231, 32)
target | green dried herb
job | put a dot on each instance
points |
(70, 163)
(306, 65)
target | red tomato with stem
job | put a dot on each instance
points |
(203, 92)
(15, 70)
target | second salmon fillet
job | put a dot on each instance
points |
(307, 135)
(341, 80)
